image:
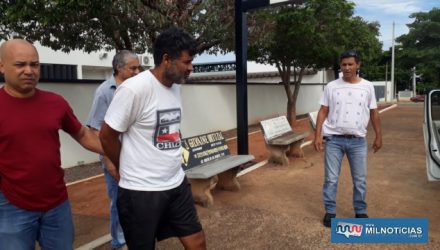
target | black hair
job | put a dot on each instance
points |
(172, 42)
(351, 53)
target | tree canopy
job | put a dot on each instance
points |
(91, 25)
(311, 36)
(421, 46)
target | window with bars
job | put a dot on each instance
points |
(55, 72)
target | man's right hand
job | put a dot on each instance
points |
(318, 143)
(111, 169)
(114, 173)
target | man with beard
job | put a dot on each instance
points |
(154, 196)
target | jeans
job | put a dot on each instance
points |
(117, 234)
(356, 151)
(20, 229)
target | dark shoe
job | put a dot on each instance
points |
(328, 219)
(124, 247)
(361, 216)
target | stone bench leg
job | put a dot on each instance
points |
(278, 154)
(228, 180)
(201, 190)
(296, 150)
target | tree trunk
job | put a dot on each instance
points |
(297, 83)
(291, 108)
(292, 96)
(291, 112)
(284, 71)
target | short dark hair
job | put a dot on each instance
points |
(172, 42)
(351, 53)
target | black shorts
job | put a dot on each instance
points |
(149, 215)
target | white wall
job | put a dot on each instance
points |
(405, 95)
(386, 91)
(47, 55)
(80, 97)
(100, 58)
(206, 108)
(97, 65)
(229, 76)
(96, 73)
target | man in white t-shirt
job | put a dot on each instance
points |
(347, 105)
(154, 197)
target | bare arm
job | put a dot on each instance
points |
(111, 143)
(89, 140)
(322, 115)
(375, 121)
(108, 163)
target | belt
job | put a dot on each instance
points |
(346, 136)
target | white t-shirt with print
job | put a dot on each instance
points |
(349, 107)
(148, 115)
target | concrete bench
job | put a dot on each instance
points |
(313, 116)
(281, 140)
(208, 163)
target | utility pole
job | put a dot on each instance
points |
(414, 76)
(392, 66)
(386, 83)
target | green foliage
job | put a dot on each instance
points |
(314, 34)
(363, 37)
(421, 46)
(311, 35)
(92, 25)
(298, 34)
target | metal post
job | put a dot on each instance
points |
(414, 80)
(386, 83)
(241, 77)
(241, 39)
(393, 86)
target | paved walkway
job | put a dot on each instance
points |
(281, 207)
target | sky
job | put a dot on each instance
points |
(384, 11)
(388, 11)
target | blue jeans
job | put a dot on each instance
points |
(20, 229)
(118, 239)
(356, 151)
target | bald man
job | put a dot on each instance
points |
(33, 196)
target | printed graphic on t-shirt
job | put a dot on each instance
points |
(167, 134)
(350, 104)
